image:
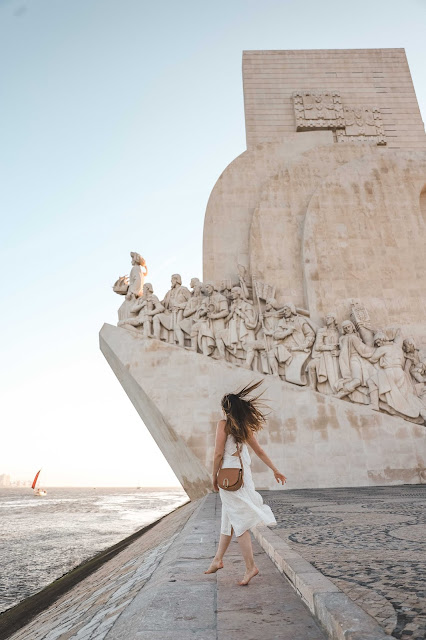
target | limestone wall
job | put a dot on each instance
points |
(236, 194)
(316, 440)
(375, 77)
(364, 237)
(277, 227)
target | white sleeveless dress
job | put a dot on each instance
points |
(244, 508)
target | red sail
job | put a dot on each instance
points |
(35, 479)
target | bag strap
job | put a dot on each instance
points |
(239, 456)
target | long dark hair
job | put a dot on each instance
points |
(243, 415)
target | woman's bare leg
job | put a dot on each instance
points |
(247, 550)
(217, 562)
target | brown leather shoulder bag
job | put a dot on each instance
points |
(230, 478)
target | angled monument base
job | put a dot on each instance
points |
(315, 440)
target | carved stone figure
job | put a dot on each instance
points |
(264, 343)
(354, 365)
(389, 386)
(174, 303)
(144, 310)
(415, 368)
(324, 369)
(224, 287)
(135, 289)
(294, 338)
(137, 275)
(240, 323)
(191, 313)
(214, 310)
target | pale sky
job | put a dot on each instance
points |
(117, 117)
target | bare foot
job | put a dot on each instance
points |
(215, 566)
(248, 576)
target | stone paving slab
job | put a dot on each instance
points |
(370, 542)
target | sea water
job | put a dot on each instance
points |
(41, 538)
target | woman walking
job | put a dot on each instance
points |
(242, 508)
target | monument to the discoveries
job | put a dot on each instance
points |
(314, 277)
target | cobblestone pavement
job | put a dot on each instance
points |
(370, 541)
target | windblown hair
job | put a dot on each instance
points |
(243, 415)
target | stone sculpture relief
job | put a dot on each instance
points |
(167, 323)
(293, 340)
(324, 370)
(244, 325)
(143, 310)
(324, 110)
(131, 286)
(390, 388)
(318, 110)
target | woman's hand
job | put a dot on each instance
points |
(215, 485)
(279, 477)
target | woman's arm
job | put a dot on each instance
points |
(252, 441)
(218, 451)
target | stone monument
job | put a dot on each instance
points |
(314, 280)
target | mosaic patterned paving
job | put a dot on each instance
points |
(370, 541)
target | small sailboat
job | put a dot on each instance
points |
(38, 492)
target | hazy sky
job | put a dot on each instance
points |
(117, 117)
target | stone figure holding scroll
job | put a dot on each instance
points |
(324, 369)
(169, 320)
